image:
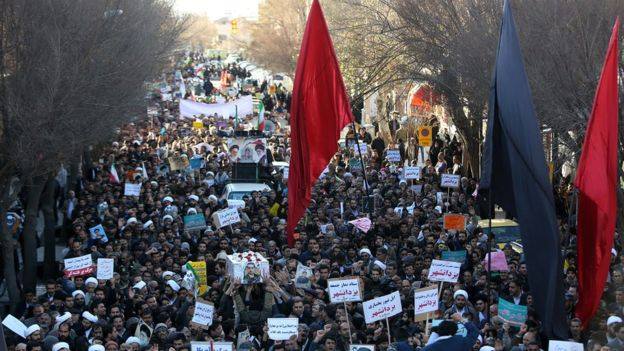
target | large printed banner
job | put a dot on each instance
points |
(247, 150)
(190, 109)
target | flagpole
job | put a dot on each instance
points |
(489, 251)
(362, 164)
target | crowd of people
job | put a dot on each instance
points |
(149, 303)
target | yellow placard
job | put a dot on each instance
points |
(425, 136)
(199, 271)
(198, 125)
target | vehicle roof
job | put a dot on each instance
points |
(247, 187)
(484, 223)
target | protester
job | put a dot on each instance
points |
(153, 294)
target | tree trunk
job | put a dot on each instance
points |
(74, 169)
(49, 233)
(8, 193)
(35, 187)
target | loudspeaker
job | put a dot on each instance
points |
(245, 172)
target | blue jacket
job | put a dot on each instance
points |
(456, 342)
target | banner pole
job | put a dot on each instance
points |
(357, 143)
(348, 324)
(489, 252)
(389, 337)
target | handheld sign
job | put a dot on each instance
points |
(393, 155)
(211, 346)
(360, 347)
(556, 345)
(196, 162)
(283, 328)
(454, 221)
(105, 268)
(412, 172)
(444, 271)
(225, 217)
(499, 261)
(382, 307)
(512, 313)
(204, 312)
(131, 189)
(15, 325)
(98, 232)
(344, 290)
(194, 222)
(177, 163)
(425, 301)
(78, 266)
(449, 181)
(455, 256)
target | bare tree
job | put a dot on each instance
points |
(71, 72)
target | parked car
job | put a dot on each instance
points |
(234, 192)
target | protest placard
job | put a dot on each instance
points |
(196, 162)
(499, 261)
(512, 313)
(412, 172)
(132, 189)
(355, 165)
(344, 290)
(195, 222)
(444, 271)
(198, 124)
(556, 345)
(98, 233)
(425, 301)
(105, 268)
(382, 307)
(225, 217)
(204, 312)
(302, 276)
(449, 180)
(78, 266)
(211, 346)
(177, 163)
(454, 221)
(393, 155)
(286, 171)
(455, 256)
(361, 347)
(198, 268)
(283, 328)
(363, 147)
(15, 325)
(364, 224)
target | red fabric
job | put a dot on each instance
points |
(320, 110)
(424, 98)
(596, 180)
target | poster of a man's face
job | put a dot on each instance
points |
(251, 274)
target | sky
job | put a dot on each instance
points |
(216, 9)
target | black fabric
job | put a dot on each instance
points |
(514, 169)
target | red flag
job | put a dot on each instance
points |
(596, 180)
(320, 110)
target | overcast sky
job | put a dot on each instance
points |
(216, 9)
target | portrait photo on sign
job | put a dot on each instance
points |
(247, 150)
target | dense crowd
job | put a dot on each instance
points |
(148, 304)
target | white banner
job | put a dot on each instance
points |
(216, 346)
(444, 271)
(203, 314)
(105, 268)
(78, 265)
(225, 217)
(382, 307)
(344, 290)
(283, 328)
(556, 345)
(412, 172)
(131, 189)
(425, 300)
(449, 181)
(190, 109)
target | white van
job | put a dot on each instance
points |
(234, 192)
